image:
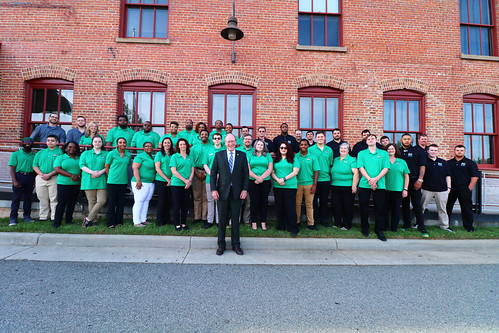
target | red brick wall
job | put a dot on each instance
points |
(392, 44)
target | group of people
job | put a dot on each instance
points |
(221, 178)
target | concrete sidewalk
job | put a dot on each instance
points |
(258, 251)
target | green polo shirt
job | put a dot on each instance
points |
(188, 135)
(94, 162)
(341, 172)
(141, 137)
(394, 179)
(209, 157)
(165, 166)
(174, 140)
(239, 141)
(308, 165)
(248, 151)
(224, 133)
(197, 153)
(70, 165)
(373, 163)
(325, 158)
(183, 166)
(115, 133)
(147, 169)
(22, 161)
(259, 164)
(118, 167)
(87, 140)
(284, 168)
(45, 159)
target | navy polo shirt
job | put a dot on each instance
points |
(415, 158)
(434, 177)
(291, 140)
(335, 146)
(462, 171)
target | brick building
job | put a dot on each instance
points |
(425, 66)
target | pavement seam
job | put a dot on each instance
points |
(188, 250)
(343, 253)
(22, 250)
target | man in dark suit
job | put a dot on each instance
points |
(229, 181)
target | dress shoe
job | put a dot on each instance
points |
(381, 236)
(312, 227)
(185, 227)
(220, 251)
(238, 250)
(324, 223)
(207, 225)
(365, 233)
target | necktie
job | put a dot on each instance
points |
(231, 160)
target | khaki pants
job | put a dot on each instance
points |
(246, 209)
(96, 199)
(46, 191)
(441, 201)
(309, 200)
(200, 200)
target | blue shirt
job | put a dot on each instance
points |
(74, 135)
(43, 131)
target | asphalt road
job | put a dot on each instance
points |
(119, 297)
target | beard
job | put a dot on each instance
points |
(188, 127)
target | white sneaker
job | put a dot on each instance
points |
(448, 229)
(343, 228)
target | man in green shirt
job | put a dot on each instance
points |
(198, 153)
(219, 128)
(146, 135)
(121, 131)
(373, 164)
(189, 134)
(46, 179)
(23, 180)
(207, 164)
(244, 131)
(307, 182)
(172, 135)
(247, 148)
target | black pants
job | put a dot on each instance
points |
(180, 204)
(321, 198)
(115, 203)
(463, 194)
(66, 197)
(259, 194)
(379, 198)
(285, 204)
(24, 192)
(164, 203)
(413, 197)
(224, 206)
(393, 201)
(342, 200)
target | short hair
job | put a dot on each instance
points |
(68, 143)
(433, 145)
(384, 137)
(310, 132)
(345, 144)
(217, 134)
(229, 124)
(245, 127)
(406, 134)
(187, 146)
(145, 122)
(173, 123)
(371, 135)
(283, 124)
(205, 130)
(81, 117)
(144, 144)
(320, 132)
(336, 129)
(459, 146)
(305, 140)
(53, 136)
(122, 116)
(423, 135)
(263, 128)
(246, 135)
(366, 131)
(121, 137)
(397, 150)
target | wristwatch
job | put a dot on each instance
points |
(420, 180)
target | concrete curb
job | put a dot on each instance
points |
(19, 238)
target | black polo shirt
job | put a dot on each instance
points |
(268, 143)
(462, 171)
(335, 146)
(425, 150)
(289, 139)
(434, 177)
(415, 158)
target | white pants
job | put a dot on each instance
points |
(441, 201)
(46, 191)
(141, 200)
(212, 211)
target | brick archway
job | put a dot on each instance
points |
(403, 83)
(232, 77)
(479, 88)
(49, 71)
(320, 80)
(142, 74)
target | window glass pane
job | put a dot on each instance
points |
(333, 31)
(468, 122)
(159, 130)
(486, 42)
(132, 22)
(485, 12)
(414, 116)
(305, 112)
(332, 113)
(464, 40)
(52, 102)
(147, 22)
(389, 115)
(305, 6)
(401, 116)
(161, 23)
(488, 151)
(319, 113)
(475, 41)
(478, 118)
(477, 148)
(319, 30)
(463, 11)
(66, 111)
(304, 30)
(147, 1)
(467, 144)
(144, 107)
(489, 119)
(246, 110)
(474, 11)
(319, 6)
(333, 6)
(37, 105)
(133, 1)
(66, 127)
(218, 112)
(158, 108)
(232, 109)
(396, 139)
(129, 99)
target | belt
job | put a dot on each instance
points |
(202, 169)
(26, 173)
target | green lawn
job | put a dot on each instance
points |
(246, 231)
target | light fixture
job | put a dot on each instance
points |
(232, 32)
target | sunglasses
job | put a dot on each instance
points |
(284, 148)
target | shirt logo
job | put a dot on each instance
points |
(439, 164)
(409, 155)
(463, 164)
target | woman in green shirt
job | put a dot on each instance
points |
(286, 168)
(163, 181)
(93, 181)
(345, 179)
(91, 132)
(142, 183)
(260, 167)
(68, 171)
(182, 167)
(396, 182)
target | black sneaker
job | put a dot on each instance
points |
(207, 225)
(312, 227)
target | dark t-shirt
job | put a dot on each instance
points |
(335, 146)
(289, 139)
(462, 171)
(415, 158)
(435, 174)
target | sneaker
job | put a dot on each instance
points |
(12, 222)
(414, 226)
(28, 219)
(448, 229)
(343, 228)
(85, 223)
(140, 225)
(424, 233)
(207, 225)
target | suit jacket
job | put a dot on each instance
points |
(239, 178)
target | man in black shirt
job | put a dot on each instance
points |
(310, 138)
(336, 142)
(423, 143)
(464, 175)
(361, 145)
(416, 161)
(284, 137)
(261, 135)
(436, 185)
